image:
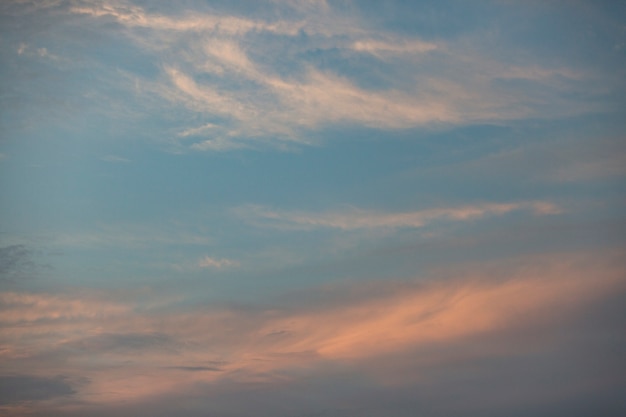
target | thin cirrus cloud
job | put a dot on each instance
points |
(132, 236)
(380, 48)
(354, 218)
(115, 159)
(221, 74)
(361, 325)
(135, 16)
(217, 263)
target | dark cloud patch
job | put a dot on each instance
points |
(126, 342)
(19, 388)
(16, 262)
(196, 368)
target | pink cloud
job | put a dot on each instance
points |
(129, 352)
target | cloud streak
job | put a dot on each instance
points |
(354, 219)
(208, 262)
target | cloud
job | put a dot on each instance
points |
(124, 342)
(115, 159)
(361, 326)
(132, 236)
(217, 144)
(222, 70)
(353, 219)
(25, 49)
(196, 131)
(208, 262)
(196, 368)
(305, 5)
(606, 160)
(23, 388)
(401, 47)
(135, 16)
(16, 262)
(32, 308)
(573, 158)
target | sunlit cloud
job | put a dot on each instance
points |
(278, 106)
(354, 218)
(94, 335)
(208, 262)
(135, 16)
(380, 48)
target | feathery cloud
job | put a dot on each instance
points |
(214, 68)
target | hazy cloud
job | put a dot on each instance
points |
(15, 389)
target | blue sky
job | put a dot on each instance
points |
(312, 208)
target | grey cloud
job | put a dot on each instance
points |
(19, 388)
(125, 342)
(196, 368)
(16, 262)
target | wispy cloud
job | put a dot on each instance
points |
(16, 262)
(132, 235)
(33, 307)
(569, 159)
(41, 52)
(354, 218)
(358, 325)
(209, 262)
(220, 75)
(115, 159)
(135, 16)
(380, 47)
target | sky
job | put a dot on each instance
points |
(312, 208)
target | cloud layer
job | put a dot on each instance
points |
(247, 80)
(352, 219)
(121, 348)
